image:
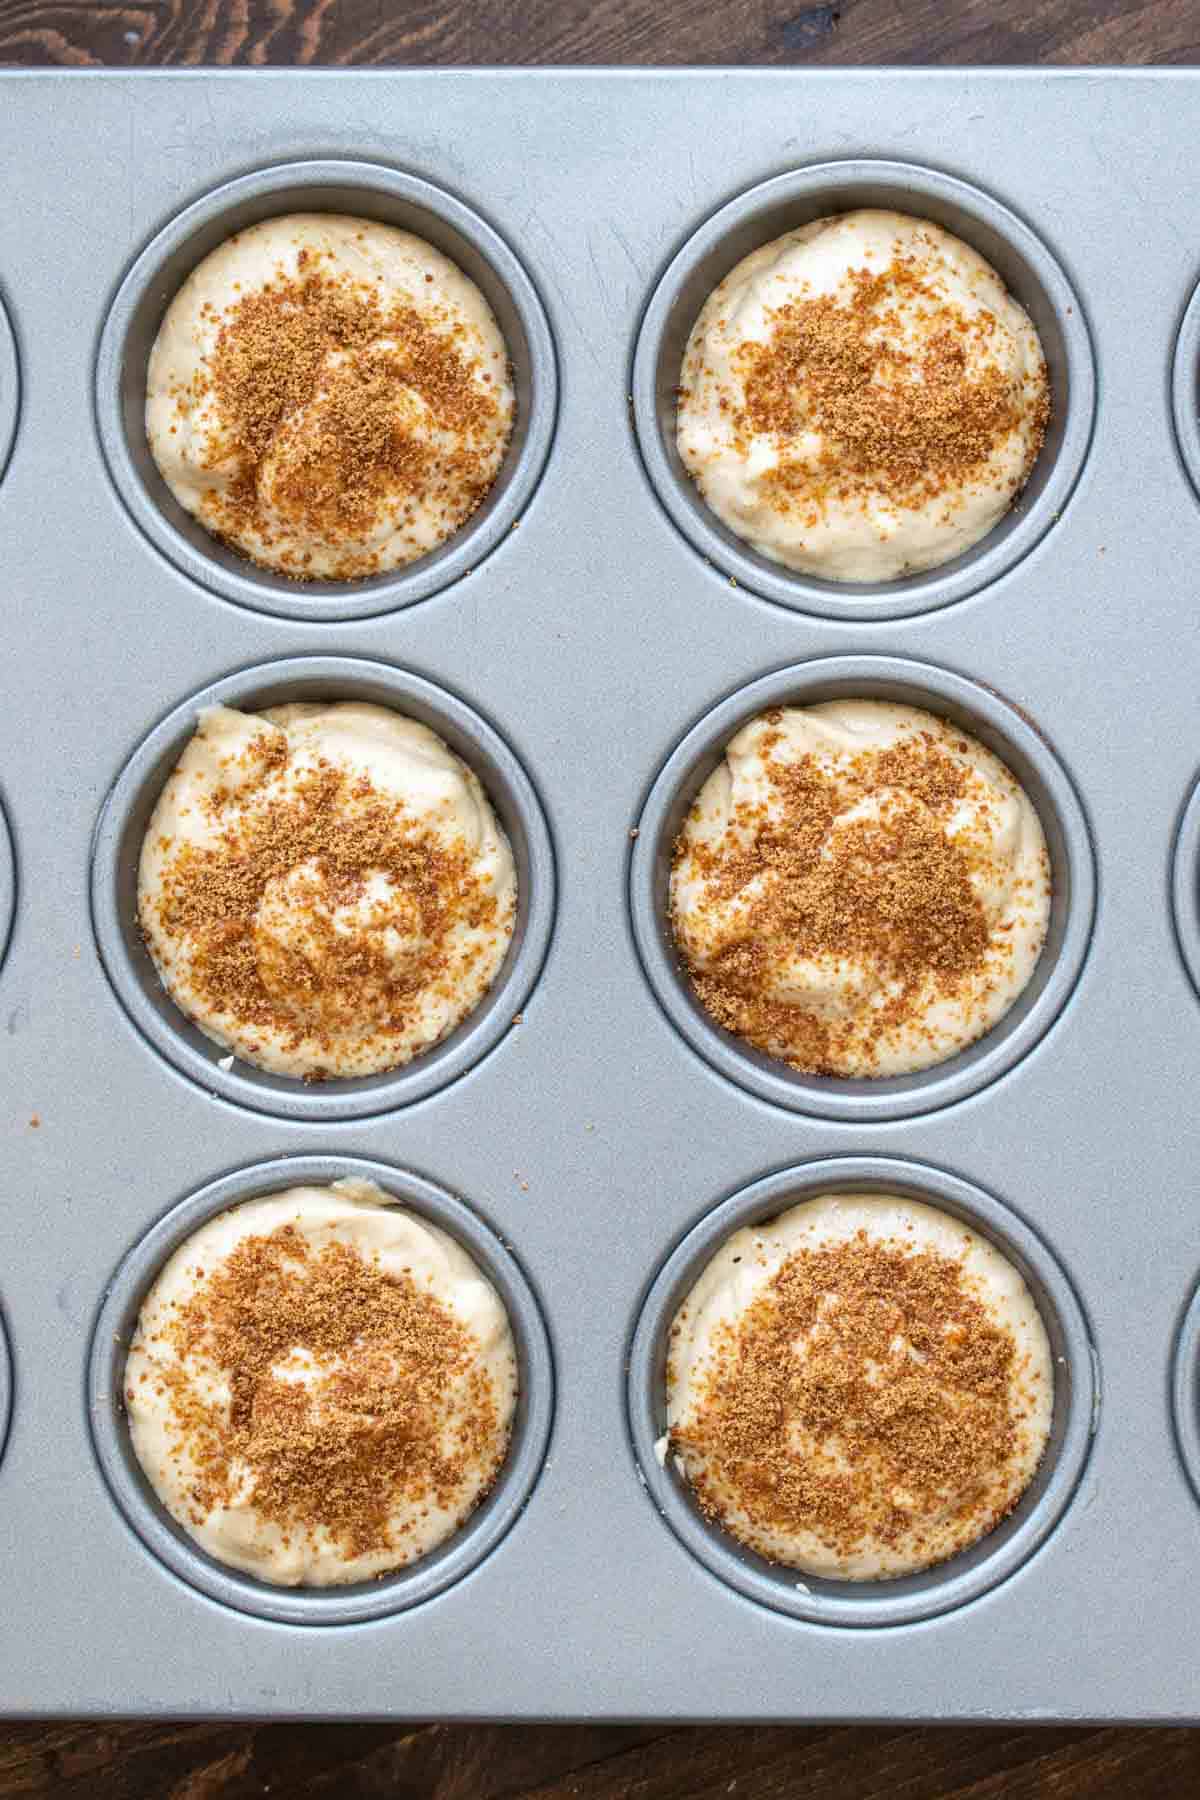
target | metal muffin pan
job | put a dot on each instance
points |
(589, 665)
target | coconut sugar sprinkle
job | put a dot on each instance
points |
(341, 1399)
(311, 916)
(862, 399)
(908, 423)
(867, 1400)
(853, 905)
(325, 407)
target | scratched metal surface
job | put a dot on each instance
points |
(592, 1137)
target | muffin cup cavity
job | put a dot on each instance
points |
(1185, 885)
(114, 880)
(905, 1599)
(8, 886)
(782, 204)
(364, 190)
(166, 1540)
(1000, 728)
(6, 1389)
(1185, 1391)
(10, 389)
(1185, 389)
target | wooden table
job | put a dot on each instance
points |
(81, 32)
(229, 1762)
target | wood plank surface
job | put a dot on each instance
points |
(85, 1761)
(82, 33)
(577, 1762)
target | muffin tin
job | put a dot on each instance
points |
(589, 643)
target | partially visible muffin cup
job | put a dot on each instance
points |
(1185, 389)
(962, 1578)
(1185, 1390)
(1001, 728)
(782, 204)
(1185, 885)
(6, 1389)
(166, 1540)
(117, 845)
(8, 885)
(10, 389)
(362, 190)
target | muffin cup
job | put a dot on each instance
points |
(782, 204)
(8, 886)
(1185, 885)
(1185, 389)
(1000, 728)
(1185, 906)
(153, 1524)
(363, 190)
(900, 1600)
(117, 844)
(1185, 1390)
(10, 389)
(6, 1389)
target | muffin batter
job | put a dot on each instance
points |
(324, 888)
(321, 1386)
(860, 1387)
(329, 395)
(862, 399)
(859, 889)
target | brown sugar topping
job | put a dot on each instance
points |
(343, 416)
(400, 1414)
(262, 924)
(889, 891)
(910, 425)
(866, 1397)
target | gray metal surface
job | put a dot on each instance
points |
(593, 1138)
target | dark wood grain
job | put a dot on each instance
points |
(553, 1762)
(79, 33)
(85, 1761)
